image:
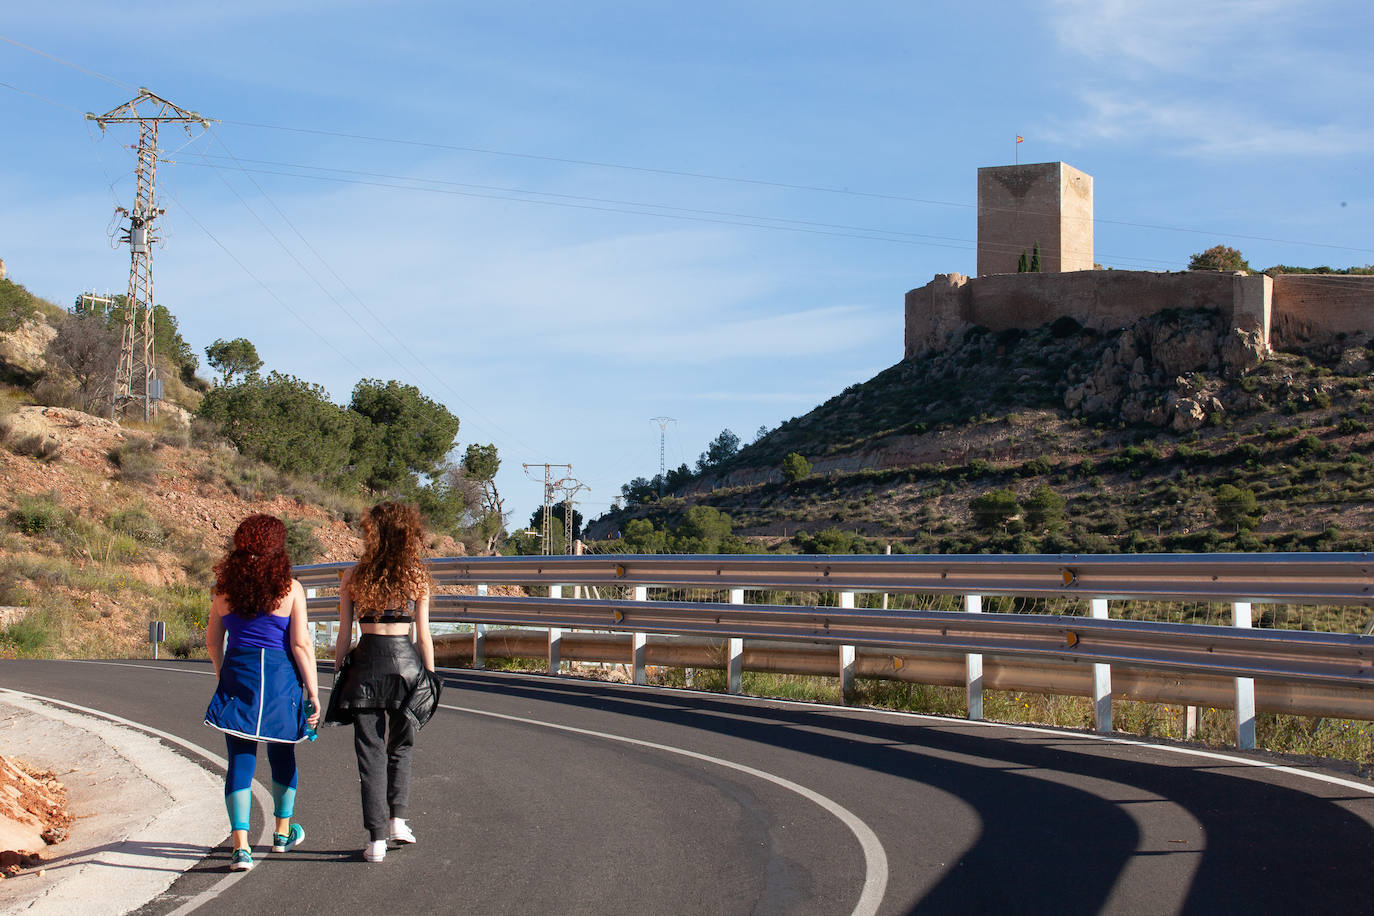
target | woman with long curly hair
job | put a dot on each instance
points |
(385, 685)
(262, 667)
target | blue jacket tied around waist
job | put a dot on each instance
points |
(259, 696)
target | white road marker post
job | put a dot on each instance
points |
(1245, 686)
(846, 655)
(1102, 679)
(735, 672)
(973, 667)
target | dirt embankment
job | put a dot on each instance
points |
(33, 815)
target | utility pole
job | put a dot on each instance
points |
(550, 486)
(570, 488)
(135, 375)
(662, 436)
(89, 301)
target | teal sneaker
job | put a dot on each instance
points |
(284, 841)
(242, 860)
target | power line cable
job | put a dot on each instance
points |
(674, 172)
(66, 63)
(877, 195)
(384, 325)
(42, 98)
(872, 235)
(267, 289)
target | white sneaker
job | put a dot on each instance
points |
(400, 831)
(375, 850)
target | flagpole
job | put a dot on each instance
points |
(1017, 146)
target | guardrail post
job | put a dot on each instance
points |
(973, 666)
(846, 656)
(735, 679)
(1245, 687)
(640, 643)
(1102, 679)
(479, 637)
(555, 636)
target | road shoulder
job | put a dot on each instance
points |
(143, 814)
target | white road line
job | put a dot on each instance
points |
(946, 721)
(875, 859)
(259, 792)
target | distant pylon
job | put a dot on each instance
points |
(662, 436)
(135, 373)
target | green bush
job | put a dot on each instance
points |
(136, 461)
(17, 306)
(301, 544)
(137, 524)
(795, 467)
(993, 509)
(29, 636)
(38, 514)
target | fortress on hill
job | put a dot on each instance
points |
(1049, 205)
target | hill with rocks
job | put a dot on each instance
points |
(107, 525)
(1173, 433)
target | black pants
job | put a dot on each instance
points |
(383, 740)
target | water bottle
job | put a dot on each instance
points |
(310, 734)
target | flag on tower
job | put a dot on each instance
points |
(1019, 138)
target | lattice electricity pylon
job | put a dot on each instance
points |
(136, 371)
(550, 487)
(662, 438)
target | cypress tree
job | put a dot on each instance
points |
(1021, 265)
(1035, 259)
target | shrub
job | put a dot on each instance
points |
(38, 514)
(137, 524)
(1237, 507)
(993, 509)
(16, 305)
(135, 460)
(301, 544)
(44, 448)
(1310, 445)
(795, 467)
(1044, 508)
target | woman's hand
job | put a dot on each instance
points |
(314, 718)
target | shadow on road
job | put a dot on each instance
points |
(1046, 846)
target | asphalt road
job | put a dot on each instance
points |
(534, 794)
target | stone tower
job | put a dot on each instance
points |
(1046, 203)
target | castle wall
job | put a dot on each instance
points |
(1291, 310)
(1310, 308)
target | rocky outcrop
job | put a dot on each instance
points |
(22, 350)
(1167, 370)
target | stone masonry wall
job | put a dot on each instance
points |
(1102, 299)
(1314, 308)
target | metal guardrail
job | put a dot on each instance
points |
(1338, 663)
(1344, 578)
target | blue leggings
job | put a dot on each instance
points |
(238, 781)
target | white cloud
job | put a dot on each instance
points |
(1167, 35)
(1187, 128)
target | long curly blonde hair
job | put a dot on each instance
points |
(390, 571)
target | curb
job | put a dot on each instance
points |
(143, 814)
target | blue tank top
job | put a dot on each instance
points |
(266, 631)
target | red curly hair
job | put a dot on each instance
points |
(256, 574)
(390, 570)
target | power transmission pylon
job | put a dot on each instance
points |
(662, 437)
(550, 486)
(135, 375)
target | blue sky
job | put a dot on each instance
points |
(573, 218)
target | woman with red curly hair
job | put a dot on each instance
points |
(262, 667)
(386, 685)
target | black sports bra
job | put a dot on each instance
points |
(390, 615)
